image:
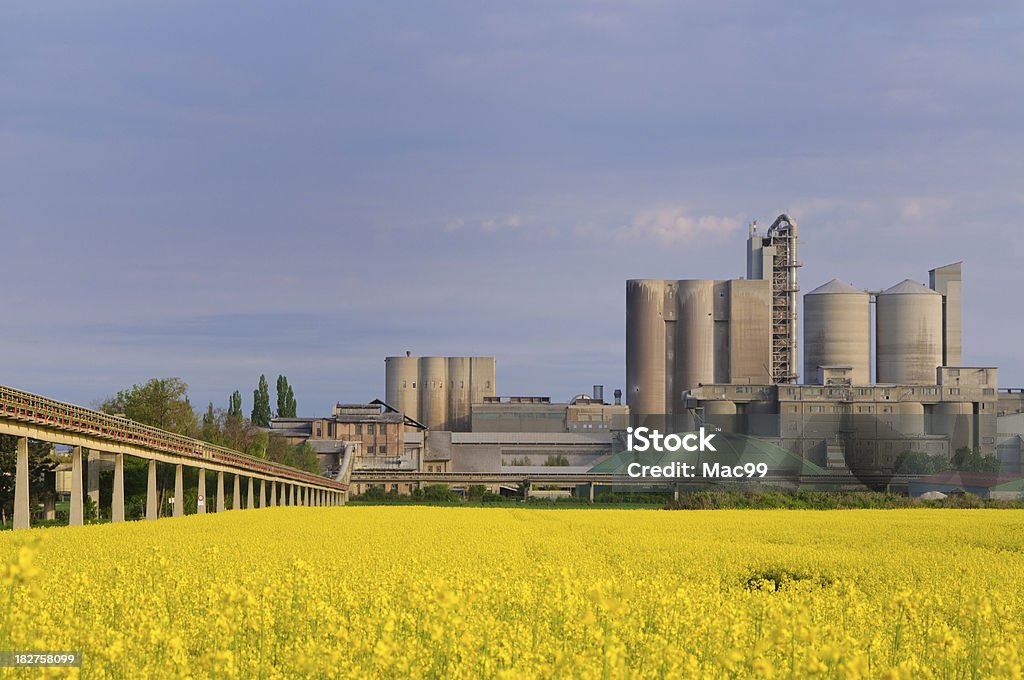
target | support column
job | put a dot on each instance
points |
(250, 501)
(675, 492)
(236, 497)
(201, 493)
(151, 499)
(21, 508)
(273, 494)
(291, 494)
(179, 491)
(76, 513)
(590, 491)
(263, 493)
(117, 498)
(220, 491)
(93, 479)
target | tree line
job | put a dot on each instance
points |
(164, 403)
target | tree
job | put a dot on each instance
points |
(286, 406)
(920, 463)
(971, 460)
(212, 431)
(261, 404)
(302, 456)
(235, 404)
(161, 402)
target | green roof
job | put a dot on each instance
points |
(732, 449)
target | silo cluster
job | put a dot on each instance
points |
(909, 333)
(683, 334)
(438, 391)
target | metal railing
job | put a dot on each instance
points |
(31, 408)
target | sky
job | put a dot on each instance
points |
(214, 190)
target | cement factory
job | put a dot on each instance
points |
(721, 354)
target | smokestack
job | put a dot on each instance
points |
(618, 397)
(599, 393)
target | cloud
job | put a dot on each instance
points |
(918, 208)
(672, 225)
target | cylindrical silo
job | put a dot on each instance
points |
(459, 384)
(695, 335)
(434, 392)
(908, 318)
(482, 379)
(401, 375)
(645, 346)
(837, 331)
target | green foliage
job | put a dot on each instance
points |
(261, 404)
(920, 463)
(302, 456)
(40, 472)
(161, 402)
(286, 406)
(476, 492)
(435, 492)
(235, 404)
(557, 460)
(971, 460)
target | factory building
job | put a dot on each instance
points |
(702, 352)
(583, 413)
(438, 391)
(682, 334)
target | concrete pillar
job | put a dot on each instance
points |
(117, 498)
(675, 492)
(49, 507)
(21, 508)
(263, 493)
(179, 491)
(590, 491)
(250, 501)
(291, 494)
(93, 480)
(76, 513)
(220, 491)
(236, 497)
(151, 500)
(201, 492)
(273, 494)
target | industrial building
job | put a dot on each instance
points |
(585, 414)
(724, 352)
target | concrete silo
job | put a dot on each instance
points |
(482, 379)
(908, 334)
(433, 390)
(401, 379)
(645, 346)
(459, 387)
(695, 335)
(837, 331)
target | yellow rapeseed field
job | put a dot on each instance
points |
(513, 593)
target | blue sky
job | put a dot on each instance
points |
(214, 190)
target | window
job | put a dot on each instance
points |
(954, 390)
(404, 385)
(371, 449)
(359, 428)
(370, 428)
(319, 432)
(414, 385)
(954, 373)
(383, 449)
